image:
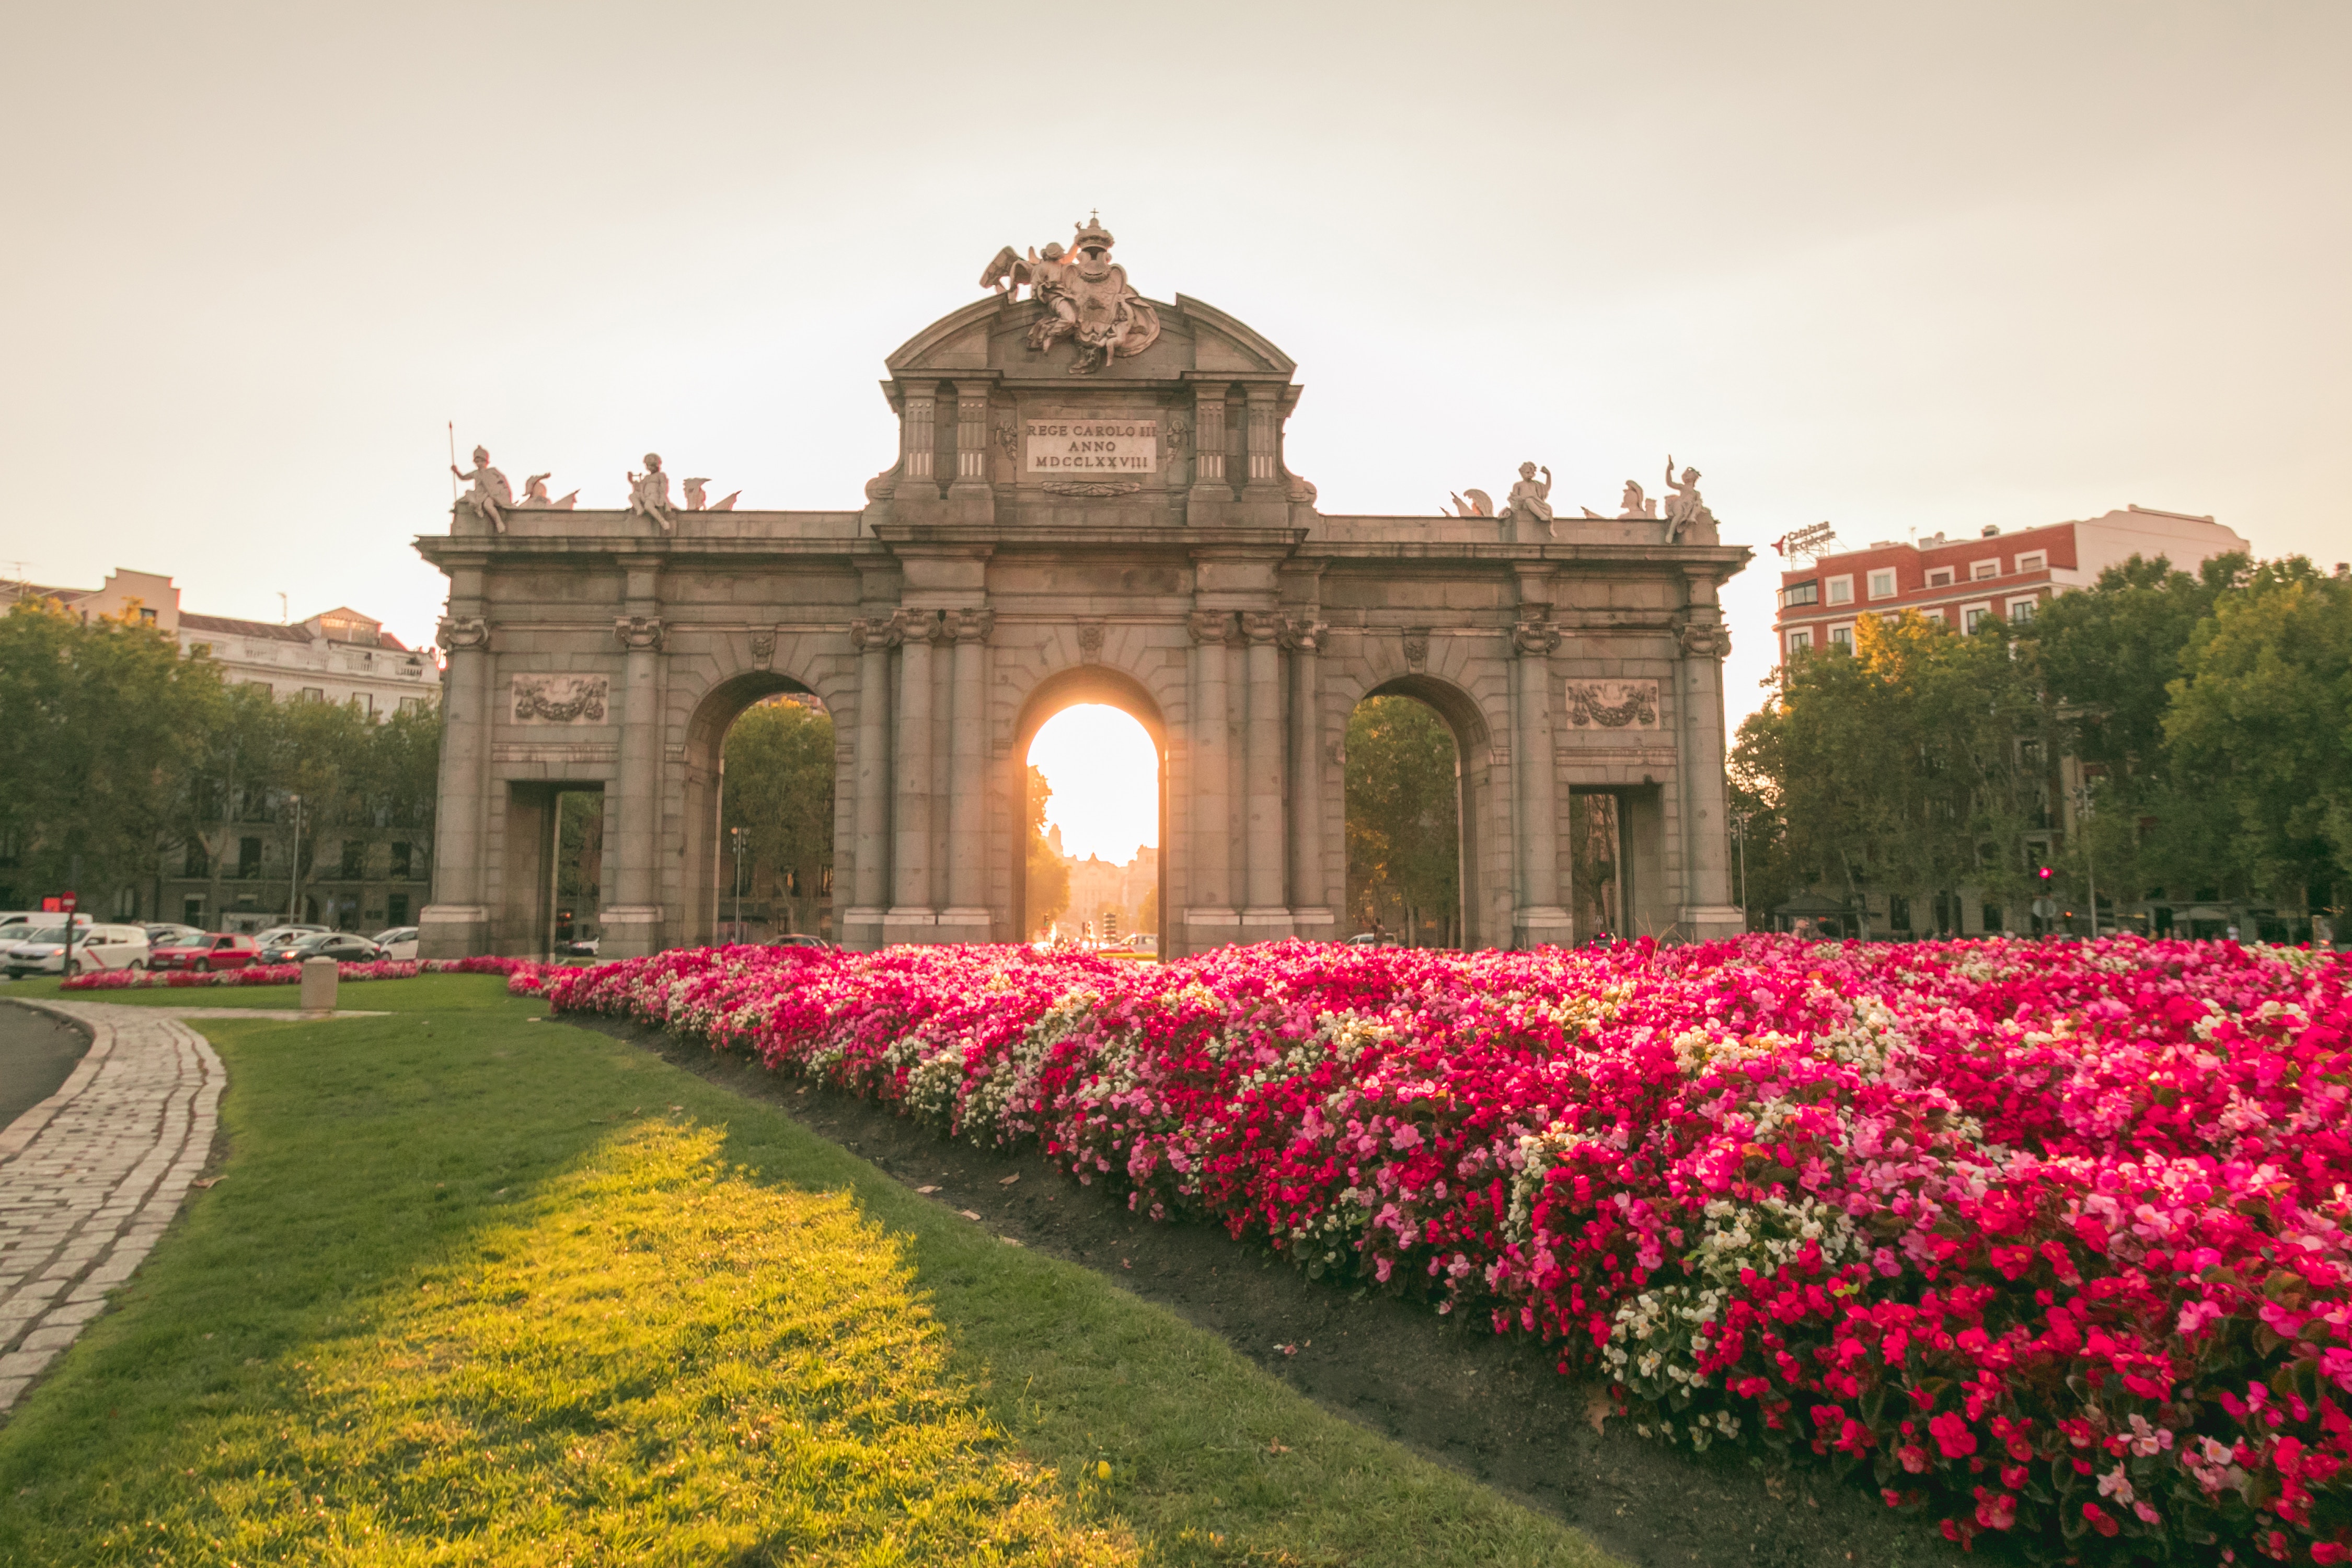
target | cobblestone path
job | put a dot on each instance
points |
(91, 1176)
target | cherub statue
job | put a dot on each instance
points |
(534, 495)
(492, 495)
(1531, 497)
(1685, 509)
(1480, 504)
(649, 494)
(1636, 506)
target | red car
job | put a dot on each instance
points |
(206, 954)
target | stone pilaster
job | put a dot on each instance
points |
(1311, 914)
(870, 843)
(966, 918)
(631, 925)
(1264, 503)
(1265, 914)
(1211, 499)
(913, 914)
(918, 436)
(973, 500)
(456, 924)
(1540, 918)
(1210, 913)
(1706, 912)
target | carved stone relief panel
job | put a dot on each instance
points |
(560, 698)
(1612, 704)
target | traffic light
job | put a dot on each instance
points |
(2041, 875)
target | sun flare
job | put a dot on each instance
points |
(1106, 778)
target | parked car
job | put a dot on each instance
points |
(342, 947)
(579, 947)
(95, 948)
(1372, 939)
(273, 936)
(399, 942)
(168, 935)
(206, 952)
(19, 925)
(802, 939)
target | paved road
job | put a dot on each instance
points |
(91, 1176)
(36, 1051)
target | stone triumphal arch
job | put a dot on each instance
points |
(1090, 503)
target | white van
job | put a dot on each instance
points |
(95, 947)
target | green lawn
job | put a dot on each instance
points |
(475, 1288)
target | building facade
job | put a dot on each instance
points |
(1090, 503)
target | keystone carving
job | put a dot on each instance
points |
(639, 634)
(763, 647)
(1416, 647)
(1704, 639)
(1210, 626)
(464, 633)
(1614, 704)
(1090, 641)
(560, 698)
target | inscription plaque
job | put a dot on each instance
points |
(1092, 447)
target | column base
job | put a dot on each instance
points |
(1316, 925)
(904, 925)
(453, 930)
(1542, 925)
(1211, 928)
(861, 929)
(1712, 922)
(1266, 924)
(966, 925)
(628, 931)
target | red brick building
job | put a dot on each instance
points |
(1966, 579)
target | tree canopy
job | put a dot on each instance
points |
(1403, 816)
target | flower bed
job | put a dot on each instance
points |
(2052, 1238)
(514, 969)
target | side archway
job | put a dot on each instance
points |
(703, 881)
(1476, 807)
(1065, 689)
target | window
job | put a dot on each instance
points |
(1882, 585)
(2021, 611)
(412, 704)
(1991, 919)
(199, 650)
(191, 911)
(400, 871)
(1940, 578)
(263, 687)
(2035, 563)
(314, 694)
(1842, 636)
(354, 859)
(1898, 912)
(1840, 590)
(1801, 639)
(364, 702)
(1973, 615)
(395, 909)
(1795, 594)
(1980, 570)
(193, 862)
(249, 856)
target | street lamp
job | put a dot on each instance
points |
(1739, 837)
(743, 837)
(2083, 795)
(294, 870)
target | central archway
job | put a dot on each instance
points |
(1090, 683)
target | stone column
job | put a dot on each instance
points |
(966, 918)
(1265, 914)
(1540, 918)
(1707, 911)
(456, 924)
(1310, 908)
(870, 841)
(1209, 910)
(631, 926)
(912, 916)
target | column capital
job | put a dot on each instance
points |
(1302, 634)
(969, 625)
(915, 625)
(463, 634)
(1534, 635)
(639, 634)
(1210, 626)
(1261, 625)
(874, 634)
(1704, 639)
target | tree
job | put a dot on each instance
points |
(1404, 828)
(2261, 717)
(1049, 877)
(780, 776)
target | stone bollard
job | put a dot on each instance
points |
(318, 978)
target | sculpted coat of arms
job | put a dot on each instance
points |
(1086, 295)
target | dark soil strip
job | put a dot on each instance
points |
(1492, 1408)
(37, 1051)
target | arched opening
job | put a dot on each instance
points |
(757, 839)
(1092, 758)
(1415, 772)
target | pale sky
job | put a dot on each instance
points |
(1898, 266)
(1105, 779)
